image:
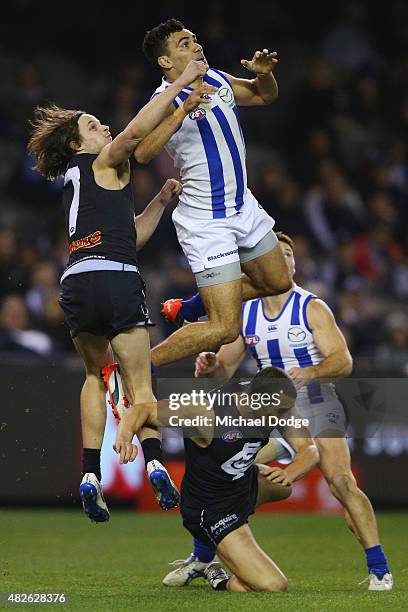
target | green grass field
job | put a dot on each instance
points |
(119, 565)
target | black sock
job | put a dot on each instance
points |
(91, 461)
(152, 449)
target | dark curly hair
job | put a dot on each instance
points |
(54, 129)
(155, 40)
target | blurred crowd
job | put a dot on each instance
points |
(328, 161)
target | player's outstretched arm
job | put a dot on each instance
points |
(148, 220)
(331, 343)
(263, 89)
(222, 365)
(154, 142)
(306, 458)
(122, 147)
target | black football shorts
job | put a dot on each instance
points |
(104, 302)
(212, 520)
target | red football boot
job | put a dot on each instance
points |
(113, 383)
(171, 311)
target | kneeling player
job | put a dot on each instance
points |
(222, 485)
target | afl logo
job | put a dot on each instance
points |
(251, 340)
(296, 334)
(197, 114)
(232, 436)
(225, 94)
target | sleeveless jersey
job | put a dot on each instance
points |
(209, 151)
(286, 342)
(226, 467)
(99, 222)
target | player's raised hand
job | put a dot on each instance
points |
(194, 70)
(201, 95)
(263, 62)
(205, 364)
(170, 190)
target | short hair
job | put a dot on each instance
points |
(285, 238)
(54, 128)
(155, 40)
(272, 380)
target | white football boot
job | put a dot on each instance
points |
(187, 570)
(93, 501)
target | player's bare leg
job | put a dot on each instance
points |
(335, 465)
(95, 352)
(254, 570)
(132, 350)
(265, 275)
(223, 305)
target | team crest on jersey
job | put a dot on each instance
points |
(197, 114)
(296, 334)
(251, 340)
(226, 95)
(232, 436)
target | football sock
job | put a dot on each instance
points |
(91, 462)
(204, 553)
(376, 561)
(193, 308)
(152, 450)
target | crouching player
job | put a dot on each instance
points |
(222, 485)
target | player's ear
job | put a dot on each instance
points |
(165, 62)
(74, 146)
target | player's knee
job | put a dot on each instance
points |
(280, 284)
(273, 584)
(226, 332)
(343, 485)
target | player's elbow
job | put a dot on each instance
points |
(141, 156)
(270, 98)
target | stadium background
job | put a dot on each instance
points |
(328, 161)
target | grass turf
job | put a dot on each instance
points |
(119, 565)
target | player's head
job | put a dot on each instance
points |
(171, 46)
(288, 249)
(271, 391)
(59, 133)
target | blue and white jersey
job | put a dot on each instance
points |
(286, 342)
(209, 151)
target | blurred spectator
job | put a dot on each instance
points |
(392, 353)
(15, 331)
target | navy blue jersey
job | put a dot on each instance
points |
(225, 468)
(99, 222)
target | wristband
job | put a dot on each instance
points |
(179, 113)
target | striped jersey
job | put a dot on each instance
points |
(286, 342)
(209, 151)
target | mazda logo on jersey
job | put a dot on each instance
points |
(251, 340)
(225, 94)
(197, 114)
(296, 334)
(232, 436)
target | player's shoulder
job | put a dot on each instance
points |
(219, 77)
(160, 88)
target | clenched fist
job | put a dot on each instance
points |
(171, 189)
